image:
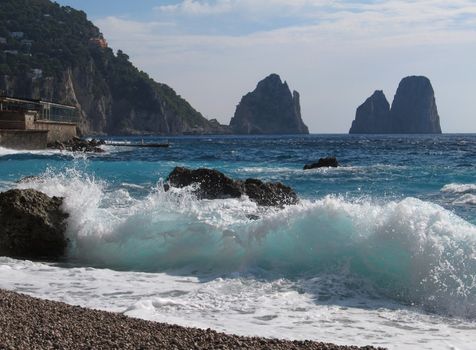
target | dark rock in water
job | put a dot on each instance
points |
(213, 184)
(32, 225)
(413, 111)
(78, 145)
(269, 194)
(373, 116)
(414, 107)
(328, 162)
(270, 109)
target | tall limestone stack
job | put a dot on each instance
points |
(414, 107)
(413, 111)
(372, 116)
(270, 109)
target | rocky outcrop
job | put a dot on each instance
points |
(212, 184)
(414, 107)
(373, 116)
(413, 111)
(269, 193)
(328, 162)
(270, 109)
(78, 145)
(32, 225)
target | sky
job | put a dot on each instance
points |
(335, 53)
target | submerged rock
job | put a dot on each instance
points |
(328, 162)
(212, 184)
(32, 225)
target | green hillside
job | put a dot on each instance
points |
(53, 52)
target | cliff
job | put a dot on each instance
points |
(269, 109)
(55, 53)
(372, 116)
(413, 111)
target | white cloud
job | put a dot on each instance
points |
(194, 7)
(250, 9)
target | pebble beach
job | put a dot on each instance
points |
(31, 323)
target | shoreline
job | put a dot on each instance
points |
(27, 322)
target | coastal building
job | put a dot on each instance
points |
(3, 40)
(32, 124)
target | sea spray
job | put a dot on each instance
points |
(410, 250)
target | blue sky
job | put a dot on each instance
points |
(334, 52)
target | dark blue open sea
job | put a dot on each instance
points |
(379, 251)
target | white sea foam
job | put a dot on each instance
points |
(8, 152)
(467, 198)
(459, 188)
(133, 186)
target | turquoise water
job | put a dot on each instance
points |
(396, 221)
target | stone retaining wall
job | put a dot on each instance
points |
(24, 139)
(57, 131)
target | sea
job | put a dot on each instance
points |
(380, 251)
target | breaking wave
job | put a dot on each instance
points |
(410, 250)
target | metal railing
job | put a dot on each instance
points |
(47, 111)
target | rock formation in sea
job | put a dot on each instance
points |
(270, 109)
(213, 184)
(414, 107)
(328, 162)
(373, 116)
(413, 110)
(32, 225)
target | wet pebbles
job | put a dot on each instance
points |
(30, 323)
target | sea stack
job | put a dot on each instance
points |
(413, 111)
(372, 116)
(414, 107)
(270, 109)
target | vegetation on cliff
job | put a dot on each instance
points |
(54, 52)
